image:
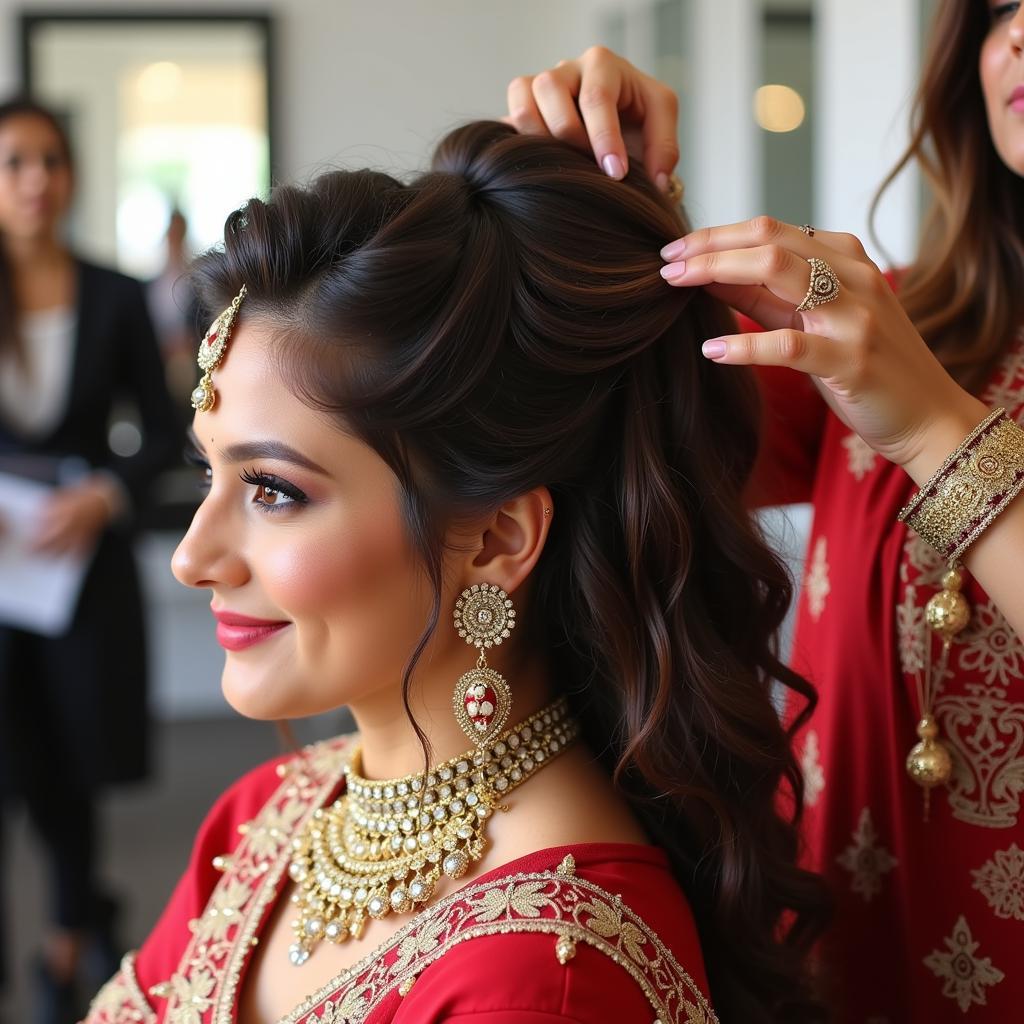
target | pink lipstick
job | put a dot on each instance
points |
(237, 632)
(1017, 100)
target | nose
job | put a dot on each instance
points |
(1017, 30)
(206, 556)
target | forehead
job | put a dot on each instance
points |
(254, 400)
(29, 130)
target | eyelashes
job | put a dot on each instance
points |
(273, 494)
(271, 489)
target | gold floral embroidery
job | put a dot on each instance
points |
(1006, 389)
(912, 633)
(990, 647)
(121, 1000)
(550, 903)
(860, 456)
(866, 859)
(964, 975)
(810, 766)
(204, 987)
(817, 582)
(1001, 881)
(986, 735)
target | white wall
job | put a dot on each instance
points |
(867, 63)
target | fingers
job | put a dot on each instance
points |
(660, 130)
(601, 89)
(764, 308)
(523, 113)
(785, 274)
(766, 231)
(798, 350)
(554, 92)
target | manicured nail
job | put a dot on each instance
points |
(661, 180)
(673, 271)
(674, 250)
(714, 349)
(613, 167)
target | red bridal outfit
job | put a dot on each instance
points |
(930, 917)
(491, 953)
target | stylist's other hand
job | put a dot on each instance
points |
(75, 516)
(872, 366)
(600, 102)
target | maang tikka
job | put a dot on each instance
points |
(484, 617)
(211, 352)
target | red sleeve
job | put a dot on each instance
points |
(792, 425)
(517, 979)
(160, 954)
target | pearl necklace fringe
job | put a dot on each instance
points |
(382, 846)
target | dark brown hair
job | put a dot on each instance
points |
(965, 289)
(22, 106)
(499, 324)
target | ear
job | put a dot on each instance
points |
(507, 545)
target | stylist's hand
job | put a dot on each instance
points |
(600, 102)
(74, 517)
(874, 369)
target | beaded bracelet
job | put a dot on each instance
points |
(971, 488)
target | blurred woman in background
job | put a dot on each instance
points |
(902, 647)
(74, 337)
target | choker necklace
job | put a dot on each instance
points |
(381, 846)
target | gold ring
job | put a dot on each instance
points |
(676, 188)
(807, 230)
(824, 286)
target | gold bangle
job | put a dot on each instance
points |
(971, 488)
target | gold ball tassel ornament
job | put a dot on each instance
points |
(947, 613)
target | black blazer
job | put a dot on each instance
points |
(91, 682)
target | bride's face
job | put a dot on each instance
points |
(300, 541)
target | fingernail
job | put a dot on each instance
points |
(673, 271)
(613, 167)
(661, 180)
(674, 250)
(714, 349)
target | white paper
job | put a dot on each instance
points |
(38, 592)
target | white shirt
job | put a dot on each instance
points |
(34, 389)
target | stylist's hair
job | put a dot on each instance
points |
(965, 292)
(500, 324)
(21, 106)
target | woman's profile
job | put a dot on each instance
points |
(469, 475)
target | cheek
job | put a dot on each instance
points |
(351, 591)
(990, 72)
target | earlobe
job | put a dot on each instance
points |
(513, 539)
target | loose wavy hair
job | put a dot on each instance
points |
(965, 289)
(498, 324)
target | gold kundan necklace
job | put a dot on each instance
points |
(381, 846)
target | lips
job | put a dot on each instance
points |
(1016, 101)
(236, 632)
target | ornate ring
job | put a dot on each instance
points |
(824, 286)
(807, 229)
(676, 188)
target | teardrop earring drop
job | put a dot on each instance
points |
(484, 617)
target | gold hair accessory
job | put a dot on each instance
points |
(824, 286)
(484, 616)
(211, 352)
(971, 488)
(382, 846)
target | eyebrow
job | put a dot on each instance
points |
(247, 451)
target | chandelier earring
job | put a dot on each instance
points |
(484, 617)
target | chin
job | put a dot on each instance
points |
(255, 693)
